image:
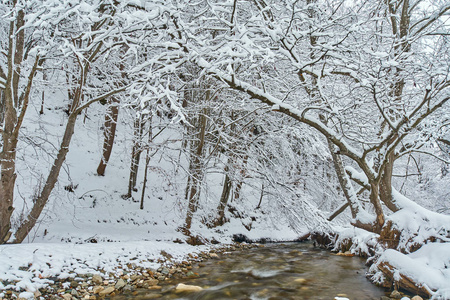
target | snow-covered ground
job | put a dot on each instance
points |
(28, 266)
(90, 226)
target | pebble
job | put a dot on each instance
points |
(187, 288)
(67, 297)
(301, 280)
(120, 284)
(165, 271)
(152, 282)
(396, 294)
(97, 289)
(97, 279)
(106, 291)
(417, 297)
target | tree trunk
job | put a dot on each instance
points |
(10, 134)
(2, 106)
(8, 168)
(386, 183)
(196, 171)
(109, 133)
(375, 200)
(240, 183)
(135, 155)
(52, 178)
(44, 77)
(261, 197)
(18, 56)
(227, 187)
(344, 181)
(147, 161)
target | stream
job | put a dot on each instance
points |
(276, 271)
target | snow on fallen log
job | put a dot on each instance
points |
(425, 271)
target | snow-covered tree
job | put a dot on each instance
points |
(371, 77)
(94, 43)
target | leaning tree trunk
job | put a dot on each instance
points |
(26, 226)
(29, 222)
(109, 133)
(344, 181)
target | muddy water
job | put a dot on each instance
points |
(278, 271)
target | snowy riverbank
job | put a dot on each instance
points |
(28, 267)
(88, 271)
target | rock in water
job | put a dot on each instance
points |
(396, 294)
(187, 288)
(416, 298)
(152, 282)
(106, 291)
(300, 280)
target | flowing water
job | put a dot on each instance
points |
(277, 271)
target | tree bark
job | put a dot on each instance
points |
(375, 200)
(386, 183)
(227, 187)
(8, 168)
(240, 183)
(135, 155)
(18, 56)
(109, 133)
(13, 118)
(196, 171)
(344, 181)
(147, 161)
